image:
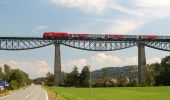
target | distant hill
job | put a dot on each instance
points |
(111, 71)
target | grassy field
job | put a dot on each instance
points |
(115, 93)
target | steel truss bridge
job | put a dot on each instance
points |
(26, 43)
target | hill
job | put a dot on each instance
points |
(113, 71)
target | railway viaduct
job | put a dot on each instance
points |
(26, 43)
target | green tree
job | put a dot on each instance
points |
(64, 78)
(149, 74)
(131, 72)
(15, 77)
(72, 78)
(84, 77)
(40, 80)
(14, 84)
(133, 82)
(1, 74)
(105, 77)
(50, 79)
(8, 72)
(157, 68)
(163, 77)
(20, 77)
(124, 81)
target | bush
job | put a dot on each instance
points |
(14, 84)
(133, 83)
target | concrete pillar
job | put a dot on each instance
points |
(141, 64)
(57, 65)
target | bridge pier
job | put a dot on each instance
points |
(141, 64)
(57, 65)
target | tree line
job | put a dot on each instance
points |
(159, 73)
(156, 74)
(72, 79)
(15, 77)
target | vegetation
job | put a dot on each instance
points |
(126, 77)
(74, 79)
(115, 72)
(15, 77)
(84, 77)
(115, 93)
(50, 79)
(51, 95)
(163, 72)
(155, 74)
(40, 80)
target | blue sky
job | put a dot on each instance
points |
(33, 17)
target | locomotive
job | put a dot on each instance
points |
(51, 35)
(65, 35)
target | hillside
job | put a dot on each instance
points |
(112, 71)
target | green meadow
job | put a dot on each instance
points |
(113, 93)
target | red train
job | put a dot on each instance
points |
(52, 35)
(149, 37)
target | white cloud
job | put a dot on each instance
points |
(124, 25)
(80, 63)
(103, 58)
(139, 12)
(42, 67)
(97, 6)
(34, 69)
(100, 60)
(38, 29)
(154, 60)
(134, 60)
(131, 61)
(132, 15)
(152, 9)
(152, 3)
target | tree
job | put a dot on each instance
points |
(21, 77)
(1, 74)
(75, 76)
(131, 72)
(157, 68)
(105, 77)
(40, 80)
(85, 76)
(163, 78)
(50, 79)
(15, 77)
(8, 72)
(72, 79)
(64, 78)
(14, 84)
(151, 73)
(124, 81)
(133, 82)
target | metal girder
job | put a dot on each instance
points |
(23, 44)
(165, 46)
(92, 45)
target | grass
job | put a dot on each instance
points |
(51, 95)
(114, 93)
